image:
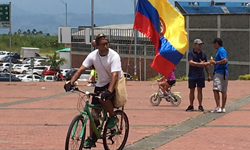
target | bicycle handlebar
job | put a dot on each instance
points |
(97, 94)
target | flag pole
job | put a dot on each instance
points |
(135, 45)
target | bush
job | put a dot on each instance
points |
(183, 78)
(154, 78)
(244, 77)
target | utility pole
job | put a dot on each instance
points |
(66, 11)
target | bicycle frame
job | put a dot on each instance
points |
(88, 115)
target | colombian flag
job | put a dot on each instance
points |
(164, 26)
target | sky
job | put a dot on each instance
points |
(81, 6)
(77, 8)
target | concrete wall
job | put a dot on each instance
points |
(233, 29)
(67, 64)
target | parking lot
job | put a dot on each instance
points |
(36, 115)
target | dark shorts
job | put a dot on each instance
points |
(171, 82)
(101, 89)
(199, 82)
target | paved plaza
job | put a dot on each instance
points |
(36, 116)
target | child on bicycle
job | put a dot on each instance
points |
(166, 83)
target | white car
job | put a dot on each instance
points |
(5, 67)
(15, 66)
(37, 62)
(3, 54)
(84, 76)
(48, 78)
(36, 70)
(28, 78)
(23, 68)
(64, 71)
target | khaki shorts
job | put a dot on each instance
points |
(219, 83)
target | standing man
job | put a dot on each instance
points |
(107, 63)
(93, 44)
(221, 74)
(196, 77)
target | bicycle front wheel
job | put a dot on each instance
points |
(155, 99)
(116, 138)
(76, 134)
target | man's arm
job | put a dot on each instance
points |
(77, 74)
(223, 61)
(113, 82)
(196, 64)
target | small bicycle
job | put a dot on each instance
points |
(173, 97)
(113, 139)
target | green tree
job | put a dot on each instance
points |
(54, 61)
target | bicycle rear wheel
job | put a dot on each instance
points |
(116, 138)
(73, 139)
(176, 99)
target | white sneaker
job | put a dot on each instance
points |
(90, 84)
(223, 110)
(216, 110)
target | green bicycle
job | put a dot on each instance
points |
(113, 139)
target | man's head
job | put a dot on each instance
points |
(217, 43)
(101, 41)
(197, 44)
(93, 43)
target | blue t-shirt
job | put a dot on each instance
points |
(194, 71)
(220, 54)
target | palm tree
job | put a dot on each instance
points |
(34, 32)
(54, 61)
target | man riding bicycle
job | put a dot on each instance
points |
(108, 65)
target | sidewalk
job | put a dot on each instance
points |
(37, 115)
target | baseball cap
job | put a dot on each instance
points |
(218, 40)
(198, 41)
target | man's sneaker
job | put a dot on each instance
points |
(223, 110)
(112, 121)
(200, 108)
(88, 143)
(90, 84)
(216, 110)
(190, 108)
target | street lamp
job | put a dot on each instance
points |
(66, 14)
(92, 22)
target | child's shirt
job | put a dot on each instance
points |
(171, 76)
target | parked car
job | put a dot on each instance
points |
(37, 62)
(20, 76)
(3, 54)
(49, 71)
(48, 78)
(70, 73)
(6, 77)
(13, 60)
(64, 72)
(15, 66)
(28, 78)
(5, 67)
(84, 76)
(21, 68)
(15, 55)
(36, 70)
(128, 76)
